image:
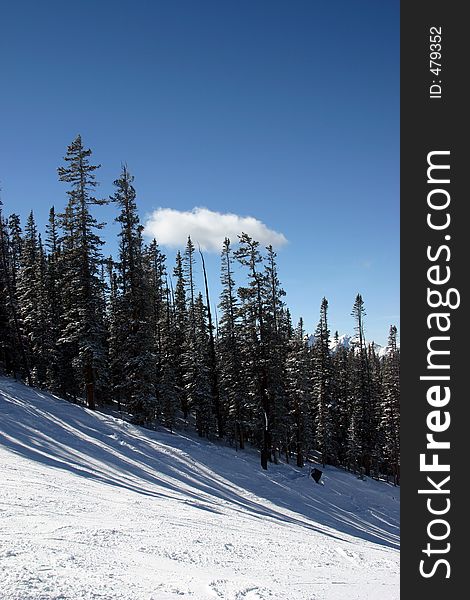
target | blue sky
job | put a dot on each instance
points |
(284, 111)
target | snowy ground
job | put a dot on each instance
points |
(94, 508)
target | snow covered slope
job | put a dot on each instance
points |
(92, 507)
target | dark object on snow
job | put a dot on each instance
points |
(316, 474)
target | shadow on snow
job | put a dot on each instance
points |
(204, 475)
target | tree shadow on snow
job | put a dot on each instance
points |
(204, 475)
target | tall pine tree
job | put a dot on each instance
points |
(83, 330)
(391, 405)
(322, 399)
(131, 342)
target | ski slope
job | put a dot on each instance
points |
(92, 507)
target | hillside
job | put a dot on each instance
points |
(93, 507)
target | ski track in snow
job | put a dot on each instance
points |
(92, 507)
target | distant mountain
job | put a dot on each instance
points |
(347, 341)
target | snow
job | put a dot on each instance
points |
(92, 507)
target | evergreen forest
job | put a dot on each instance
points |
(136, 334)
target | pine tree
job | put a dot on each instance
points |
(154, 264)
(6, 337)
(321, 361)
(376, 431)
(15, 237)
(197, 372)
(83, 332)
(391, 405)
(199, 363)
(170, 391)
(70, 376)
(363, 402)
(213, 371)
(181, 332)
(53, 281)
(14, 344)
(298, 383)
(342, 401)
(232, 380)
(275, 342)
(133, 354)
(188, 273)
(162, 325)
(116, 336)
(9, 348)
(254, 348)
(33, 303)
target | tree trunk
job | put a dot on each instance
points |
(90, 387)
(213, 359)
(241, 437)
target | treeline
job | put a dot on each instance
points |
(126, 331)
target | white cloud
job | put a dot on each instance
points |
(207, 228)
